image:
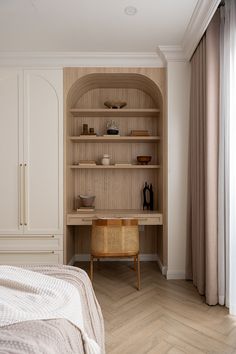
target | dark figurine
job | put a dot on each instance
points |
(151, 198)
(145, 190)
(148, 197)
(85, 129)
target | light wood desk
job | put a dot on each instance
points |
(145, 217)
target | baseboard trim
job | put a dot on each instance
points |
(175, 275)
(163, 268)
(143, 258)
(232, 309)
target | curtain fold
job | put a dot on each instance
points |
(203, 165)
(212, 155)
(232, 162)
(223, 185)
(196, 205)
(227, 236)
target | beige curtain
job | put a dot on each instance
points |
(203, 165)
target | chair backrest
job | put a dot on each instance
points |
(115, 237)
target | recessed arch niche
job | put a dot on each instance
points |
(115, 189)
(127, 81)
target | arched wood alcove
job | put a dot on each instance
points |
(116, 188)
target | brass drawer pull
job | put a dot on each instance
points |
(21, 193)
(89, 219)
(25, 195)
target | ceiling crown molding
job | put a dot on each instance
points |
(200, 19)
(80, 59)
(171, 53)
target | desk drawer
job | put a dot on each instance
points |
(31, 257)
(31, 242)
(150, 221)
(80, 220)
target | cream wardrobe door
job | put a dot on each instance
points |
(11, 151)
(43, 151)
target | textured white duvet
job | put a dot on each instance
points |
(26, 295)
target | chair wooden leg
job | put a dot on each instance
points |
(134, 262)
(138, 272)
(91, 268)
(99, 264)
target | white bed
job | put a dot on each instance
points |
(55, 335)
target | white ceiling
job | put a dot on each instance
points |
(92, 25)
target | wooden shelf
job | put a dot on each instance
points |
(114, 167)
(114, 139)
(96, 112)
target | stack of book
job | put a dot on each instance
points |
(87, 162)
(122, 164)
(139, 133)
(86, 208)
(88, 134)
(111, 135)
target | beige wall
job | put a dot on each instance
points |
(178, 83)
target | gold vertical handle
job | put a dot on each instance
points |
(21, 194)
(25, 195)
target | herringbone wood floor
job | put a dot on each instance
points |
(163, 317)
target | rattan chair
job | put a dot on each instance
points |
(115, 238)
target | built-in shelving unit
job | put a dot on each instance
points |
(118, 187)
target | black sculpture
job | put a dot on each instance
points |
(148, 202)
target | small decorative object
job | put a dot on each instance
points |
(139, 133)
(87, 200)
(148, 202)
(106, 160)
(112, 128)
(144, 160)
(85, 129)
(115, 104)
(86, 162)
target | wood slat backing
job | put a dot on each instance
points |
(116, 189)
(135, 98)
